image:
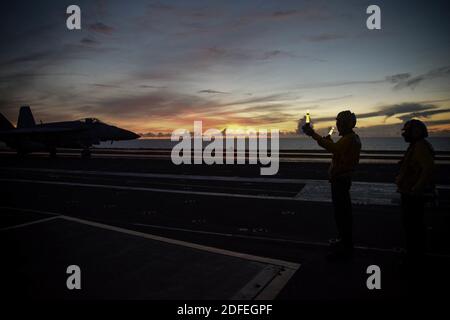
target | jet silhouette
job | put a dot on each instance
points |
(30, 137)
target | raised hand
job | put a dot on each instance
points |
(307, 129)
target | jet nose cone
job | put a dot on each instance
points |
(129, 135)
(135, 135)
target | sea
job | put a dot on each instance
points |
(289, 143)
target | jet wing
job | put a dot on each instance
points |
(42, 135)
(39, 131)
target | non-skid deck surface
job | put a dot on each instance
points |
(121, 264)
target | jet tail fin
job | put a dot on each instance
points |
(5, 124)
(26, 119)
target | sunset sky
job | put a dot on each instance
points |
(155, 66)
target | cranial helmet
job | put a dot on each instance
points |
(348, 118)
(419, 125)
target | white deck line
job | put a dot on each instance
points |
(272, 239)
(286, 264)
(29, 223)
(273, 284)
(163, 175)
(197, 177)
(277, 262)
(276, 285)
(315, 243)
(49, 213)
(211, 233)
(311, 192)
(116, 187)
(363, 193)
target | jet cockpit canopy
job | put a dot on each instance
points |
(90, 120)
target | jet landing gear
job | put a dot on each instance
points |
(86, 153)
(53, 153)
(21, 153)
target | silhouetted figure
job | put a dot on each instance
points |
(415, 184)
(345, 157)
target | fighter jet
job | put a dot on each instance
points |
(30, 137)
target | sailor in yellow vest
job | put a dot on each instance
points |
(345, 158)
(415, 184)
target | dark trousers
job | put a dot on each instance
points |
(342, 204)
(413, 208)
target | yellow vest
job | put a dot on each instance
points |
(416, 170)
(345, 154)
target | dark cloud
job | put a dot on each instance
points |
(435, 100)
(83, 51)
(155, 134)
(43, 58)
(101, 85)
(179, 108)
(392, 110)
(271, 118)
(325, 37)
(275, 53)
(241, 55)
(26, 75)
(101, 28)
(145, 86)
(283, 14)
(424, 114)
(437, 122)
(272, 54)
(212, 91)
(264, 99)
(325, 99)
(394, 130)
(268, 118)
(89, 41)
(403, 111)
(153, 104)
(157, 5)
(310, 12)
(229, 21)
(264, 108)
(401, 80)
(254, 47)
(390, 130)
(166, 74)
(32, 57)
(415, 81)
(31, 33)
(281, 106)
(338, 84)
(396, 78)
(412, 83)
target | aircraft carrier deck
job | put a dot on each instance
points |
(140, 227)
